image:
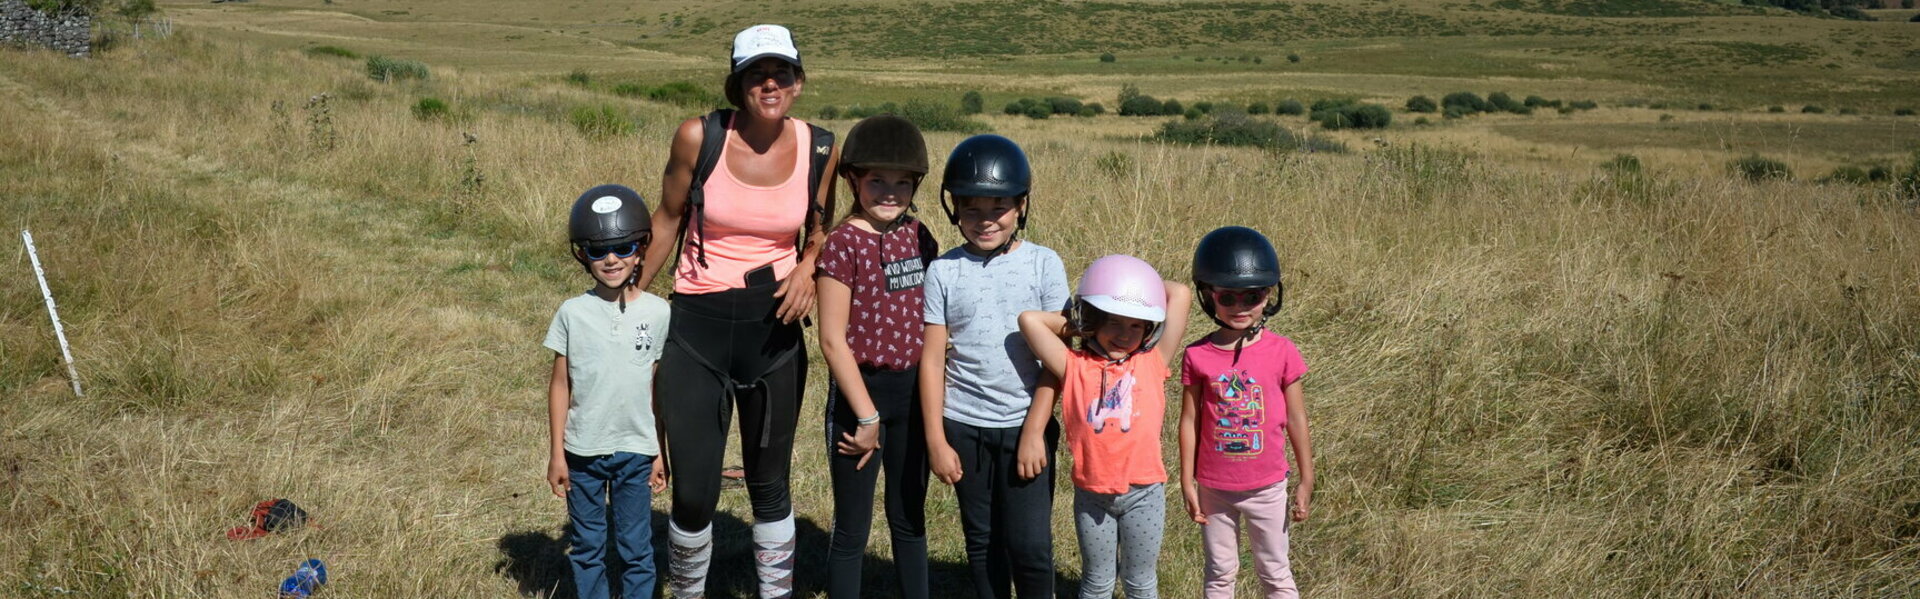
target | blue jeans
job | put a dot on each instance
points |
(619, 482)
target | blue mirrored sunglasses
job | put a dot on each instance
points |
(622, 250)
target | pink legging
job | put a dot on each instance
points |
(1265, 512)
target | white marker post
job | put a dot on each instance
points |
(52, 312)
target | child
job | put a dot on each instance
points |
(870, 303)
(979, 391)
(1112, 398)
(600, 400)
(1232, 465)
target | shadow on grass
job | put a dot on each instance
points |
(536, 560)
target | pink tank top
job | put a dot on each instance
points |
(747, 226)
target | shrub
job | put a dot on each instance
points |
(1666, 118)
(1086, 111)
(1622, 165)
(1879, 173)
(1908, 4)
(1017, 106)
(1325, 104)
(383, 69)
(829, 112)
(332, 51)
(1420, 122)
(1293, 58)
(1203, 107)
(1454, 112)
(686, 94)
(1908, 185)
(1193, 114)
(1849, 110)
(628, 89)
(580, 77)
(1755, 167)
(972, 103)
(1903, 112)
(1847, 174)
(1235, 129)
(1467, 102)
(1584, 105)
(1096, 107)
(1776, 108)
(1131, 91)
(1502, 102)
(1812, 109)
(1535, 102)
(1914, 19)
(1038, 110)
(1421, 104)
(1172, 107)
(1115, 164)
(1140, 106)
(1107, 57)
(430, 108)
(1066, 106)
(1290, 107)
(1259, 108)
(930, 115)
(600, 121)
(1356, 116)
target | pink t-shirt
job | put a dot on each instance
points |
(747, 226)
(1243, 410)
(885, 273)
(1112, 416)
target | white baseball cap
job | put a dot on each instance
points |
(762, 41)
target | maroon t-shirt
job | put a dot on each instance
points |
(885, 273)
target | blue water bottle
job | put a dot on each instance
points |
(304, 581)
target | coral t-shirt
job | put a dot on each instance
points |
(1243, 410)
(1112, 416)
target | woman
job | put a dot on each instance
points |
(743, 280)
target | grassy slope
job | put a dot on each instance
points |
(1532, 378)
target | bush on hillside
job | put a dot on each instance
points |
(1203, 106)
(1236, 129)
(1846, 174)
(1812, 109)
(930, 115)
(385, 70)
(1293, 58)
(1903, 112)
(1038, 110)
(1584, 105)
(1063, 105)
(1776, 108)
(430, 108)
(332, 51)
(686, 94)
(600, 121)
(1466, 102)
(1908, 185)
(1290, 107)
(972, 103)
(1172, 107)
(1325, 104)
(1755, 167)
(1107, 57)
(1354, 116)
(1140, 106)
(1502, 102)
(828, 112)
(580, 77)
(1096, 107)
(1535, 102)
(1259, 108)
(1421, 104)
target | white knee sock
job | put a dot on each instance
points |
(687, 566)
(773, 546)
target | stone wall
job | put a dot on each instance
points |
(71, 34)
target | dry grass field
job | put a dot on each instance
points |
(1533, 376)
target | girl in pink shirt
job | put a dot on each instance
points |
(1241, 407)
(1112, 396)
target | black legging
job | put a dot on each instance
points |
(903, 452)
(727, 348)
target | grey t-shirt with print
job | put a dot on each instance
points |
(610, 358)
(990, 371)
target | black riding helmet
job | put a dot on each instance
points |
(1236, 258)
(608, 215)
(986, 166)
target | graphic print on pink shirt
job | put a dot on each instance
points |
(1116, 402)
(1238, 415)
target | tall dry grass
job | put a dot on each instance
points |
(1527, 382)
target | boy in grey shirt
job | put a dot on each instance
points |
(604, 448)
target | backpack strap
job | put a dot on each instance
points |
(929, 247)
(822, 147)
(713, 139)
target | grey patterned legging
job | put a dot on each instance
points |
(1120, 530)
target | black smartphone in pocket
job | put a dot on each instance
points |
(760, 276)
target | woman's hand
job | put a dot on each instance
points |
(945, 463)
(657, 481)
(557, 476)
(863, 442)
(796, 294)
(1192, 495)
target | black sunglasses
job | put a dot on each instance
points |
(622, 250)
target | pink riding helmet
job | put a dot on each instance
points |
(1125, 286)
